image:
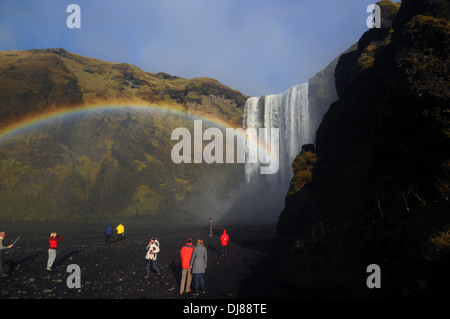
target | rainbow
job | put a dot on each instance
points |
(33, 120)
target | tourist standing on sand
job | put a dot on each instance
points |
(108, 233)
(199, 261)
(210, 227)
(120, 230)
(152, 254)
(54, 240)
(224, 242)
(2, 236)
(186, 255)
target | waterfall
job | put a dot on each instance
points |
(289, 112)
(297, 114)
(262, 196)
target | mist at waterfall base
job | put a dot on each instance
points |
(261, 197)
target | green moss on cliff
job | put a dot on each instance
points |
(302, 167)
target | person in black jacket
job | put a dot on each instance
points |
(2, 247)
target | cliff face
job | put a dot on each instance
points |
(379, 190)
(322, 90)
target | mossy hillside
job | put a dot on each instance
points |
(106, 164)
(102, 163)
(34, 81)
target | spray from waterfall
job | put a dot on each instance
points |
(289, 112)
(262, 197)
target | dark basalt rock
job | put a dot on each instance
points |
(384, 143)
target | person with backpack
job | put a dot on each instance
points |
(53, 241)
(152, 253)
(186, 255)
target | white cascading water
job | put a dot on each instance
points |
(297, 113)
(263, 195)
(290, 113)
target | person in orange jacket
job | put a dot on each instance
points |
(224, 242)
(186, 254)
(54, 239)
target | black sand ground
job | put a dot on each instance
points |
(118, 270)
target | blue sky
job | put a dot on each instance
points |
(255, 46)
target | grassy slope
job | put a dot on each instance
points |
(37, 80)
(101, 164)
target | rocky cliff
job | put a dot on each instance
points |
(378, 192)
(322, 91)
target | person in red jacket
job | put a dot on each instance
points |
(54, 239)
(224, 242)
(186, 254)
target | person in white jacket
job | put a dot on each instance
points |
(152, 254)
